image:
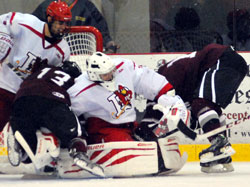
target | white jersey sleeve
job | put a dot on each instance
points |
(146, 81)
(5, 23)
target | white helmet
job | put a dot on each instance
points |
(100, 64)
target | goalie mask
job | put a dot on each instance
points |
(101, 69)
(59, 11)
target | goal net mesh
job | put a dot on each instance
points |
(83, 41)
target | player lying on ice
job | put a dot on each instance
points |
(206, 81)
(105, 95)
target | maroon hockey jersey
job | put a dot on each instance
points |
(50, 82)
(186, 72)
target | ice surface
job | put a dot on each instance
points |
(190, 175)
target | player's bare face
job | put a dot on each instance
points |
(59, 27)
(107, 76)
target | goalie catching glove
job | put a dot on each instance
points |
(162, 117)
(173, 109)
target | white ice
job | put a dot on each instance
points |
(190, 175)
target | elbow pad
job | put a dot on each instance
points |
(6, 43)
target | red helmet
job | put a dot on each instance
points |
(59, 11)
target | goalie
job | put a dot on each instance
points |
(105, 95)
(206, 80)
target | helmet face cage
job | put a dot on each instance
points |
(99, 64)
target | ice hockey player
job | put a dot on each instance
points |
(42, 102)
(206, 80)
(23, 38)
(105, 95)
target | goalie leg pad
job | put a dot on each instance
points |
(47, 149)
(125, 159)
(119, 159)
(171, 155)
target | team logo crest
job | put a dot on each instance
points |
(121, 99)
(124, 95)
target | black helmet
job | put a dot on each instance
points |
(71, 68)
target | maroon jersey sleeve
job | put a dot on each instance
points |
(49, 82)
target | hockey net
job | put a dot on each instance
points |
(83, 41)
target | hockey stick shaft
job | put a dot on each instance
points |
(181, 126)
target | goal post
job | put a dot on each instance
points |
(83, 41)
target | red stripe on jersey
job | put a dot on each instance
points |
(134, 65)
(86, 88)
(33, 30)
(165, 89)
(119, 65)
(12, 17)
(73, 4)
(42, 36)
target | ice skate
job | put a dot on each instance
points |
(217, 158)
(82, 161)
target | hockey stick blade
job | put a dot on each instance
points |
(184, 129)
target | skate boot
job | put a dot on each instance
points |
(82, 161)
(217, 157)
(16, 154)
(78, 151)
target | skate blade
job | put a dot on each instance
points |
(96, 170)
(218, 168)
(209, 157)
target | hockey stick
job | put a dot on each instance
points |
(37, 161)
(181, 126)
(25, 146)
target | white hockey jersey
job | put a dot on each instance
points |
(28, 36)
(116, 107)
